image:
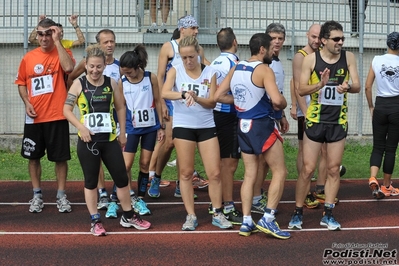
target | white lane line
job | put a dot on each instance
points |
(2, 232)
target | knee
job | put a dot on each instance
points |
(144, 165)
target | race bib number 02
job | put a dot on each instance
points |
(328, 95)
(98, 122)
(42, 85)
(144, 118)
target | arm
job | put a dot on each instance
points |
(296, 70)
(32, 37)
(120, 107)
(70, 102)
(23, 93)
(202, 56)
(221, 92)
(368, 89)
(293, 100)
(81, 38)
(158, 105)
(162, 63)
(167, 92)
(66, 60)
(307, 67)
(206, 102)
(355, 86)
(79, 70)
(263, 76)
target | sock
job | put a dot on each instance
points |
(128, 214)
(256, 199)
(60, 194)
(320, 189)
(328, 207)
(37, 192)
(103, 193)
(216, 210)
(142, 183)
(247, 220)
(151, 173)
(228, 206)
(299, 210)
(269, 215)
(95, 218)
(157, 176)
(132, 193)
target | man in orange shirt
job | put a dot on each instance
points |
(41, 85)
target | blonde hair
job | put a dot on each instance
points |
(94, 50)
(189, 41)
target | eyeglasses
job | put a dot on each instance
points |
(337, 39)
(44, 32)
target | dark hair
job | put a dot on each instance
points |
(275, 27)
(104, 31)
(393, 40)
(225, 38)
(46, 23)
(257, 41)
(59, 25)
(134, 59)
(175, 34)
(327, 27)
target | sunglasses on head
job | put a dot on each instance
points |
(44, 32)
(337, 39)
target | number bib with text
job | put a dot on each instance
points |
(98, 122)
(42, 85)
(328, 95)
(201, 90)
(144, 118)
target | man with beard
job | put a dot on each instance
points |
(256, 97)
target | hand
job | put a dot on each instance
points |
(73, 19)
(293, 112)
(30, 111)
(371, 112)
(165, 111)
(284, 125)
(85, 134)
(190, 100)
(325, 76)
(161, 134)
(122, 140)
(343, 87)
(56, 33)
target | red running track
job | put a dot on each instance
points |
(52, 238)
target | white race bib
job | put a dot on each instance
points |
(144, 118)
(42, 85)
(201, 90)
(98, 122)
(328, 95)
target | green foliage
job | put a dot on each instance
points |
(14, 167)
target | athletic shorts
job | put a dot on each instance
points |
(147, 142)
(226, 127)
(51, 137)
(301, 127)
(255, 136)
(197, 135)
(328, 133)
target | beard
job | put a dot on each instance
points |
(267, 60)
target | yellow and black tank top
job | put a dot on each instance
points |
(99, 102)
(327, 105)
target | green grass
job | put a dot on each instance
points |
(14, 167)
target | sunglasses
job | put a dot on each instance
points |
(44, 33)
(337, 39)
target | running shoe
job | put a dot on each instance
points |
(97, 229)
(199, 181)
(63, 204)
(329, 222)
(219, 220)
(141, 207)
(191, 223)
(259, 207)
(135, 222)
(152, 28)
(375, 188)
(247, 229)
(178, 193)
(272, 228)
(36, 204)
(210, 208)
(153, 191)
(390, 191)
(113, 197)
(163, 28)
(311, 202)
(112, 211)
(102, 203)
(296, 221)
(171, 163)
(235, 216)
(321, 197)
(264, 198)
(163, 183)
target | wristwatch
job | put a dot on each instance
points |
(183, 96)
(349, 88)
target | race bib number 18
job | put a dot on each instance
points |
(144, 118)
(328, 95)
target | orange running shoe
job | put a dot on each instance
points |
(390, 191)
(375, 188)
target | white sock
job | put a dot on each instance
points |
(247, 219)
(269, 217)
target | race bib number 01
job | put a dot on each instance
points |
(144, 118)
(328, 95)
(42, 85)
(98, 122)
